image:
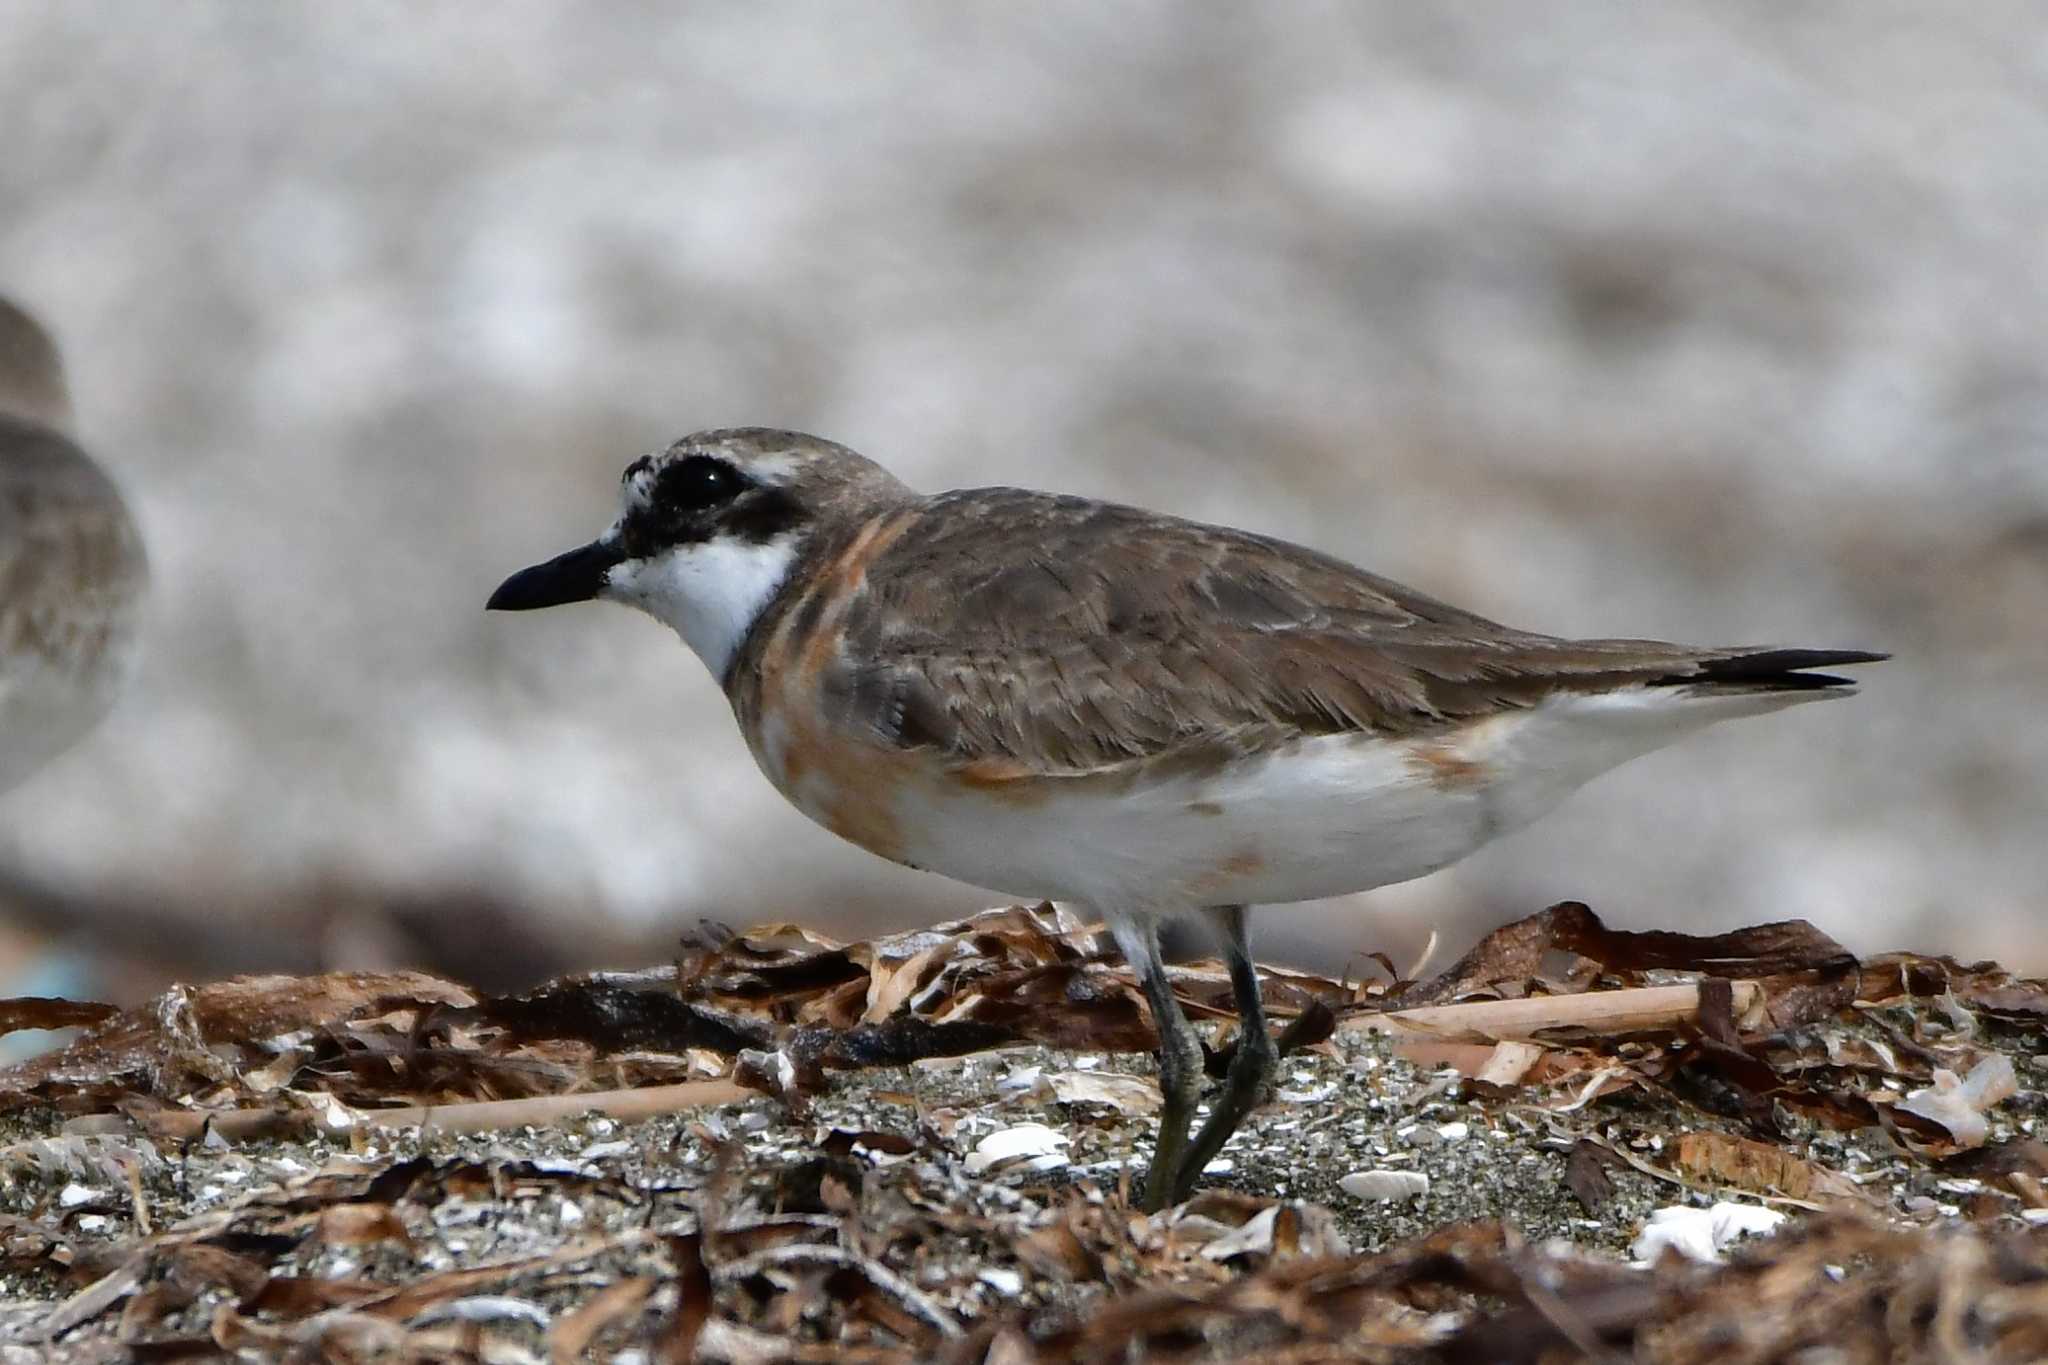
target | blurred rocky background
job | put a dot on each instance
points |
(1715, 321)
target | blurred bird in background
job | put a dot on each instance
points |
(72, 582)
(72, 571)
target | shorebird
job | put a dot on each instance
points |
(1054, 697)
(72, 570)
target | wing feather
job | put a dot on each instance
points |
(1125, 636)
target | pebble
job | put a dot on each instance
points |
(1385, 1186)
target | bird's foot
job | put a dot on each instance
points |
(1180, 1087)
(1244, 1089)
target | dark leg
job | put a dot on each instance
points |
(1251, 1070)
(1180, 1059)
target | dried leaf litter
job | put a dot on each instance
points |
(916, 1147)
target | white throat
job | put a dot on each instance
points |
(710, 593)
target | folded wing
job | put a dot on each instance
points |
(1123, 635)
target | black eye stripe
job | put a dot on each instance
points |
(768, 513)
(698, 498)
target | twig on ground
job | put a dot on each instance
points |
(1634, 1010)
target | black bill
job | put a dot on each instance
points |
(576, 576)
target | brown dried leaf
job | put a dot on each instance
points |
(197, 1267)
(901, 1041)
(301, 1296)
(1062, 1005)
(1513, 955)
(1761, 1168)
(1981, 985)
(360, 1225)
(2020, 1156)
(1113, 1089)
(1585, 1175)
(571, 1336)
(840, 1007)
(38, 1011)
(144, 1314)
(1316, 1023)
(1058, 1251)
(615, 1017)
(677, 1343)
(411, 1299)
(163, 1047)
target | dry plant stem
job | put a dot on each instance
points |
(570, 1336)
(94, 1299)
(1641, 1008)
(628, 1105)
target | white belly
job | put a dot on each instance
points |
(1324, 816)
(1328, 816)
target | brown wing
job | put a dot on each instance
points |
(1123, 635)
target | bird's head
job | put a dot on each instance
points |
(708, 532)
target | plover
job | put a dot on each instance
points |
(72, 571)
(1055, 697)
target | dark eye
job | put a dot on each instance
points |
(696, 483)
